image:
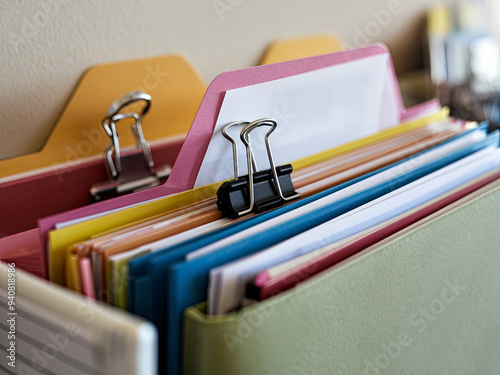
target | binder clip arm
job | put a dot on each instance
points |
(131, 170)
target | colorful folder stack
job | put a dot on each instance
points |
(310, 224)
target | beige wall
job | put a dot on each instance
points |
(45, 46)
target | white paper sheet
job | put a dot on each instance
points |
(315, 111)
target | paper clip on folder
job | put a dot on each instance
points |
(259, 190)
(133, 170)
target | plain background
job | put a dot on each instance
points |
(46, 46)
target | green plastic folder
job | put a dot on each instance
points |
(426, 302)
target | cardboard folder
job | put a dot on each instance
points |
(58, 178)
(425, 302)
(174, 85)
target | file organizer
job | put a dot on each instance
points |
(358, 317)
(425, 302)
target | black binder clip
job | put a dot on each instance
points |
(259, 190)
(132, 170)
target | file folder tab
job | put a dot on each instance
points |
(298, 48)
(170, 80)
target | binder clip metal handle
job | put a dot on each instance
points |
(113, 155)
(235, 147)
(245, 133)
(132, 170)
(259, 190)
(109, 125)
(125, 101)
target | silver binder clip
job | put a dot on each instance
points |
(130, 170)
